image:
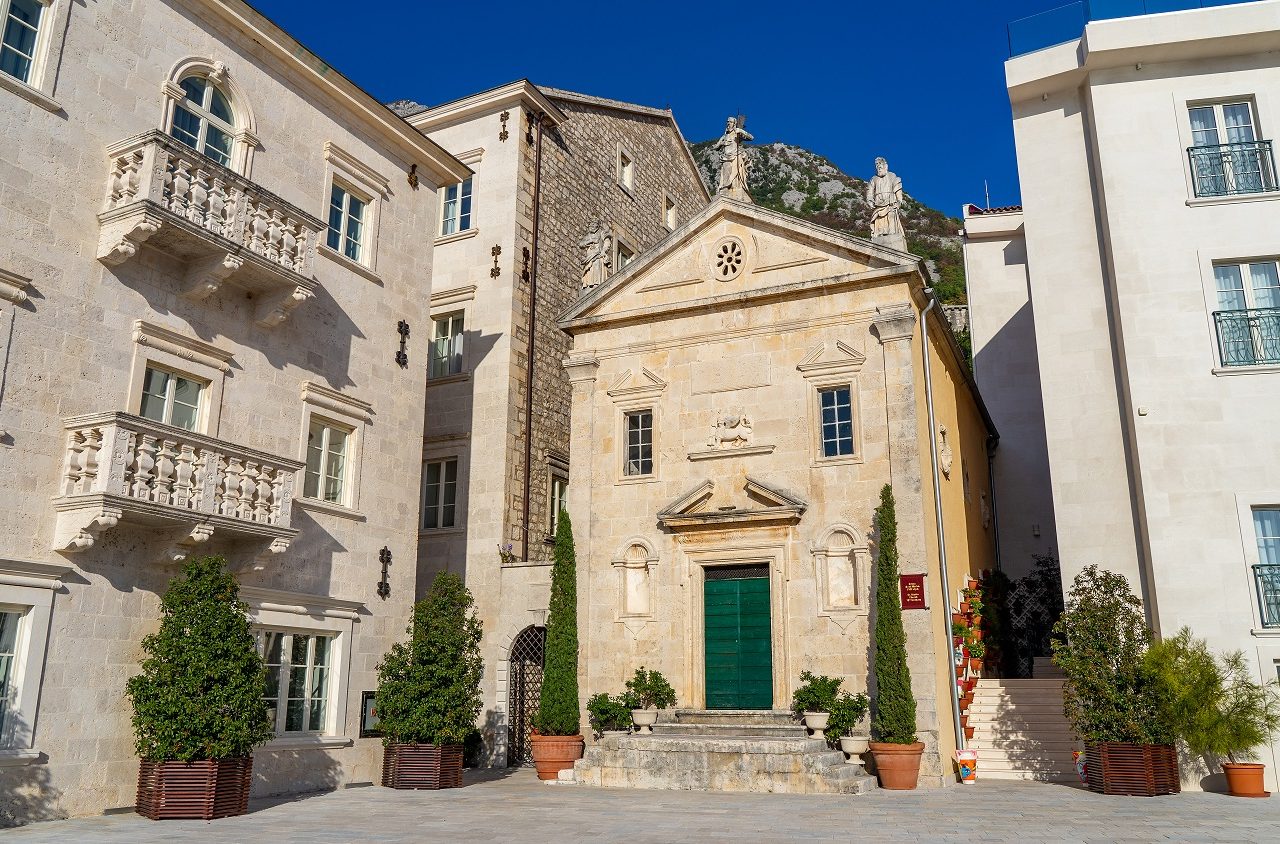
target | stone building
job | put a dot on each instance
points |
(741, 393)
(1141, 275)
(210, 237)
(554, 170)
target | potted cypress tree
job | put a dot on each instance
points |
(198, 708)
(557, 739)
(429, 690)
(893, 720)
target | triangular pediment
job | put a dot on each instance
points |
(750, 501)
(730, 253)
(831, 358)
(639, 384)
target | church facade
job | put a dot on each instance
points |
(741, 393)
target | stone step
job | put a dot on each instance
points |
(1051, 767)
(791, 730)
(999, 707)
(1018, 719)
(1024, 756)
(1051, 743)
(1035, 683)
(1028, 776)
(774, 717)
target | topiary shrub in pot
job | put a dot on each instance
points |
(1111, 695)
(847, 712)
(557, 739)
(648, 691)
(609, 713)
(198, 708)
(813, 700)
(893, 720)
(429, 690)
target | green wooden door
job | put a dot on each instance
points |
(739, 656)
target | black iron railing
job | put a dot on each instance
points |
(1232, 169)
(1267, 579)
(1248, 338)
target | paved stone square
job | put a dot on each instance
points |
(517, 808)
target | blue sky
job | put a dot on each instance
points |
(918, 81)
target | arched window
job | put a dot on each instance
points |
(203, 120)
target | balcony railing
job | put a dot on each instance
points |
(1233, 169)
(223, 226)
(1248, 338)
(1066, 23)
(1266, 578)
(122, 467)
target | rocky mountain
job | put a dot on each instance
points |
(796, 181)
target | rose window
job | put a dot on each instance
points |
(729, 258)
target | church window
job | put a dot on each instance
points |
(639, 456)
(837, 421)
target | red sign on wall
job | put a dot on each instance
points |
(911, 590)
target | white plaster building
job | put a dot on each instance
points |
(1151, 230)
(208, 240)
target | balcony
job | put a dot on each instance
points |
(1248, 338)
(1066, 23)
(1233, 169)
(121, 467)
(223, 227)
(1266, 578)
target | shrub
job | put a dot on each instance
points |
(429, 686)
(199, 695)
(977, 649)
(817, 693)
(1099, 642)
(609, 712)
(893, 719)
(846, 711)
(558, 713)
(650, 690)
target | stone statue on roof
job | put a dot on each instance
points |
(733, 159)
(884, 195)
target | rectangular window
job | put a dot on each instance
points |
(1227, 157)
(626, 171)
(639, 457)
(439, 493)
(1266, 575)
(456, 209)
(559, 500)
(21, 36)
(170, 398)
(346, 223)
(446, 346)
(669, 213)
(837, 421)
(327, 448)
(9, 623)
(299, 666)
(625, 256)
(1248, 317)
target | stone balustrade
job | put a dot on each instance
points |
(121, 466)
(223, 226)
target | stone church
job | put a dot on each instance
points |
(741, 393)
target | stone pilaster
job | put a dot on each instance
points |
(582, 369)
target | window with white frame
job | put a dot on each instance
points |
(455, 211)
(626, 171)
(328, 447)
(204, 120)
(559, 500)
(347, 213)
(1266, 529)
(1247, 321)
(299, 679)
(1227, 157)
(26, 607)
(669, 213)
(837, 421)
(446, 346)
(22, 21)
(171, 398)
(625, 256)
(439, 493)
(10, 621)
(638, 459)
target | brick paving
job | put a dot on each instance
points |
(517, 808)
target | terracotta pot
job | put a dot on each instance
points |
(422, 766)
(897, 765)
(1136, 770)
(964, 720)
(1244, 779)
(970, 685)
(553, 754)
(216, 788)
(973, 584)
(957, 641)
(975, 664)
(976, 633)
(957, 618)
(966, 700)
(964, 607)
(644, 719)
(960, 670)
(968, 733)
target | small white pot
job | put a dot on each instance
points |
(854, 747)
(816, 722)
(644, 719)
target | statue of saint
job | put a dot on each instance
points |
(598, 244)
(733, 160)
(884, 194)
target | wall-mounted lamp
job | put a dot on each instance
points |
(384, 587)
(402, 356)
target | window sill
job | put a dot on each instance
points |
(342, 260)
(456, 236)
(1265, 632)
(456, 378)
(637, 479)
(329, 507)
(18, 758)
(1246, 370)
(1261, 196)
(427, 533)
(631, 192)
(744, 451)
(822, 462)
(307, 743)
(33, 95)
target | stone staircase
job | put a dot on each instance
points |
(722, 750)
(1020, 732)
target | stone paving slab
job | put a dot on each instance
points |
(517, 808)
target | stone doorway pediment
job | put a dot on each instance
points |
(751, 502)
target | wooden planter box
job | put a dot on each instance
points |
(218, 788)
(422, 766)
(1135, 770)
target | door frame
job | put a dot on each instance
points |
(772, 555)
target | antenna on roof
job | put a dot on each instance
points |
(987, 190)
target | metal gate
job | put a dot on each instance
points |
(524, 690)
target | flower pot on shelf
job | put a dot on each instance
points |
(964, 720)
(816, 722)
(853, 747)
(964, 608)
(960, 670)
(975, 664)
(967, 700)
(553, 754)
(1136, 770)
(897, 765)
(215, 788)
(957, 618)
(422, 766)
(968, 733)
(976, 633)
(957, 641)
(1244, 779)
(970, 684)
(644, 719)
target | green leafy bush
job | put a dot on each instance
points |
(610, 712)
(558, 713)
(650, 690)
(977, 649)
(893, 719)
(200, 693)
(1100, 643)
(817, 693)
(429, 686)
(846, 711)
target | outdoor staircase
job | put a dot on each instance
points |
(722, 750)
(1020, 732)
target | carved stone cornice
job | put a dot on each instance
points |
(336, 402)
(582, 367)
(895, 322)
(188, 348)
(13, 287)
